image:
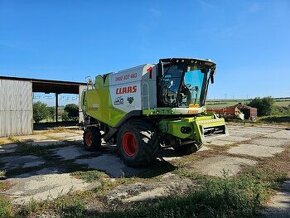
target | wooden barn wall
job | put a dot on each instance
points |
(16, 114)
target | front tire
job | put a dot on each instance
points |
(137, 143)
(92, 138)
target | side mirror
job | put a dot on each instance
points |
(211, 79)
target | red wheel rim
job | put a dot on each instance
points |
(88, 138)
(129, 144)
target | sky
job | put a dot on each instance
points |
(50, 98)
(71, 39)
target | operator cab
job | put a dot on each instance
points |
(183, 82)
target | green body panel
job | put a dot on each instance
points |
(173, 127)
(173, 111)
(158, 111)
(196, 124)
(97, 104)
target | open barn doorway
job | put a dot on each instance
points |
(59, 101)
(52, 109)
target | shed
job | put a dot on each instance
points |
(16, 94)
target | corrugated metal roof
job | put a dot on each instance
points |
(49, 86)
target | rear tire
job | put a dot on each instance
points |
(92, 139)
(187, 149)
(137, 143)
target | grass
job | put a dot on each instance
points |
(35, 149)
(63, 130)
(75, 209)
(4, 141)
(217, 197)
(240, 196)
(45, 153)
(67, 206)
(14, 140)
(29, 149)
(224, 103)
(88, 176)
(231, 102)
(6, 209)
(274, 119)
(74, 204)
(280, 110)
(2, 175)
(285, 103)
(29, 208)
(25, 149)
(4, 185)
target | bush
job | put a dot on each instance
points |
(40, 111)
(263, 105)
(64, 116)
(72, 111)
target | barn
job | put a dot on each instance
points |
(16, 100)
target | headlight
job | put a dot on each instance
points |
(185, 129)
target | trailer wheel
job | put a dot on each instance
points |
(92, 138)
(187, 149)
(137, 143)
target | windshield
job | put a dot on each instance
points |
(182, 85)
(191, 87)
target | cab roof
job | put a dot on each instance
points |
(188, 60)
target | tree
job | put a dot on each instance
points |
(263, 105)
(40, 111)
(51, 112)
(72, 111)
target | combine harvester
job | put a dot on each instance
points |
(149, 107)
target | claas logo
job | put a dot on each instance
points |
(125, 90)
(130, 100)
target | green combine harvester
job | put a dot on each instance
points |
(149, 107)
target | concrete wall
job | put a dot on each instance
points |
(16, 114)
